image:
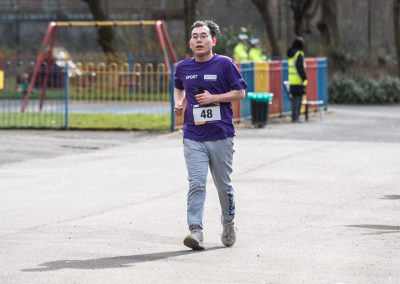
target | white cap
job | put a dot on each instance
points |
(243, 37)
(255, 41)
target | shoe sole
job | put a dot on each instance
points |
(193, 243)
(228, 244)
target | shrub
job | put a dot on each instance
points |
(344, 90)
(389, 89)
(364, 90)
(369, 88)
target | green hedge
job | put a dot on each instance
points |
(364, 90)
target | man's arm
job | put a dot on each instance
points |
(207, 98)
(179, 96)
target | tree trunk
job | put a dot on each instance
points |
(105, 35)
(190, 16)
(328, 25)
(299, 8)
(296, 6)
(263, 8)
(309, 14)
(396, 22)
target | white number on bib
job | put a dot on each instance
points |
(203, 115)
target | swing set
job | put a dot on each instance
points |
(46, 52)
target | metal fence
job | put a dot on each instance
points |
(16, 75)
(127, 96)
(86, 96)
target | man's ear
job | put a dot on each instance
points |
(214, 41)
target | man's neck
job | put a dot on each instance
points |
(203, 58)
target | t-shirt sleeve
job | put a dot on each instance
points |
(177, 81)
(234, 77)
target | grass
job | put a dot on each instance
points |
(31, 120)
(93, 121)
(120, 121)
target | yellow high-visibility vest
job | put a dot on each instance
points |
(294, 77)
(256, 54)
(240, 52)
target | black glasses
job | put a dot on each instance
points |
(201, 36)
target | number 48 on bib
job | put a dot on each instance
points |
(203, 115)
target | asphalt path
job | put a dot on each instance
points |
(317, 202)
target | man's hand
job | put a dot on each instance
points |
(206, 98)
(305, 82)
(178, 108)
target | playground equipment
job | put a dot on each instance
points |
(47, 50)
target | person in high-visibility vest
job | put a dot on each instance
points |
(256, 53)
(240, 53)
(297, 76)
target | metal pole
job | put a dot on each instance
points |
(172, 100)
(162, 44)
(67, 96)
(131, 75)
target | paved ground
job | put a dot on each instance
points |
(317, 202)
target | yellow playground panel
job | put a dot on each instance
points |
(261, 77)
(1, 80)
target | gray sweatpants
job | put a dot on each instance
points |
(218, 156)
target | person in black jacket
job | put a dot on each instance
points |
(297, 76)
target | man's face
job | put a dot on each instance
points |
(201, 42)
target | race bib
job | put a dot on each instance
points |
(203, 115)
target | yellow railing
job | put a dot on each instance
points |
(119, 82)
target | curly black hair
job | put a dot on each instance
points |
(214, 28)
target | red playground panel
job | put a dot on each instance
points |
(312, 76)
(275, 87)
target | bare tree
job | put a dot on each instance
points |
(396, 22)
(328, 25)
(303, 12)
(263, 8)
(105, 35)
(190, 16)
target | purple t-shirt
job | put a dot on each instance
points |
(218, 75)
